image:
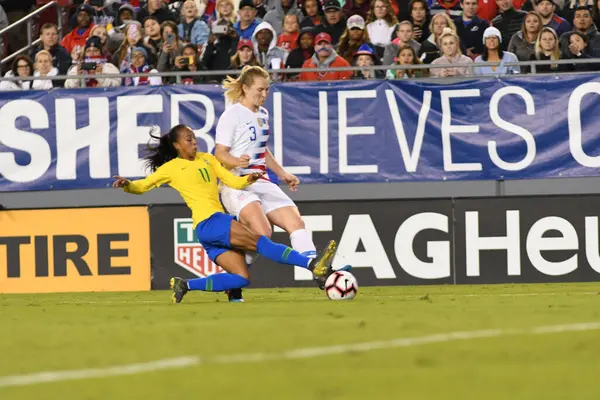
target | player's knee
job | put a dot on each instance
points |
(294, 224)
(246, 276)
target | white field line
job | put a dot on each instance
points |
(293, 354)
(411, 295)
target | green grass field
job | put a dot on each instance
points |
(63, 332)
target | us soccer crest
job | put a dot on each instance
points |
(189, 253)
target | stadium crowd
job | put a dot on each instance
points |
(112, 37)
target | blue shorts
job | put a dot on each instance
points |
(213, 234)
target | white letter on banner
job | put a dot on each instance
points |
(323, 133)
(360, 228)
(439, 251)
(448, 129)
(344, 131)
(202, 133)
(69, 139)
(130, 135)
(29, 142)
(476, 243)
(410, 158)
(313, 223)
(536, 243)
(278, 137)
(591, 243)
(575, 134)
(510, 127)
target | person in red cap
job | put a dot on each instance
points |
(244, 55)
(325, 57)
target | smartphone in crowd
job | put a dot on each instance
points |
(219, 29)
(170, 38)
(133, 29)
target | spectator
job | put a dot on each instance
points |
(225, 10)
(334, 24)
(312, 14)
(470, 28)
(139, 65)
(190, 62)
(595, 13)
(509, 21)
(133, 37)
(153, 39)
(100, 31)
(420, 18)
(430, 48)
(546, 48)
(325, 57)
(568, 10)
(125, 15)
(493, 53)
(404, 37)
(357, 7)
(578, 50)
(244, 55)
(487, 9)
(79, 35)
(281, 9)
(366, 57)
(406, 56)
(99, 14)
(522, 44)
(291, 30)
(303, 52)
(22, 67)
(582, 23)
(451, 54)
(221, 47)
(450, 7)
(49, 42)
(261, 9)
(247, 24)
(172, 47)
(192, 29)
(157, 9)
(93, 64)
(43, 67)
(381, 24)
(265, 47)
(353, 37)
(546, 10)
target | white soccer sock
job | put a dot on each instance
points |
(250, 257)
(302, 242)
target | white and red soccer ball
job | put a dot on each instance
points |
(341, 285)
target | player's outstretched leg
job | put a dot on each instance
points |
(243, 238)
(232, 281)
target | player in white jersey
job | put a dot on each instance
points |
(241, 145)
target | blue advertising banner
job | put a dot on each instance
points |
(358, 131)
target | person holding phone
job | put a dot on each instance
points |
(222, 45)
(188, 61)
(93, 63)
(172, 47)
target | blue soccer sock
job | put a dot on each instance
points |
(218, 282)
(280, 253)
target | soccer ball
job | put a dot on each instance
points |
(341, 285)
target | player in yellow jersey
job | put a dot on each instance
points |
(176, 161)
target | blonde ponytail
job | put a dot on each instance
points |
(234, 87)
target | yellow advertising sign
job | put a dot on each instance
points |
(75, 250)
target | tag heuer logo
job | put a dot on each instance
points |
(189, 253)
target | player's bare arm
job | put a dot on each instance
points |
(230, 162)
(290, 179)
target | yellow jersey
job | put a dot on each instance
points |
(196, 182)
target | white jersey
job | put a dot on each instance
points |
(245, 132)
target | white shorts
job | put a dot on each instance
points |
(270, 196)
